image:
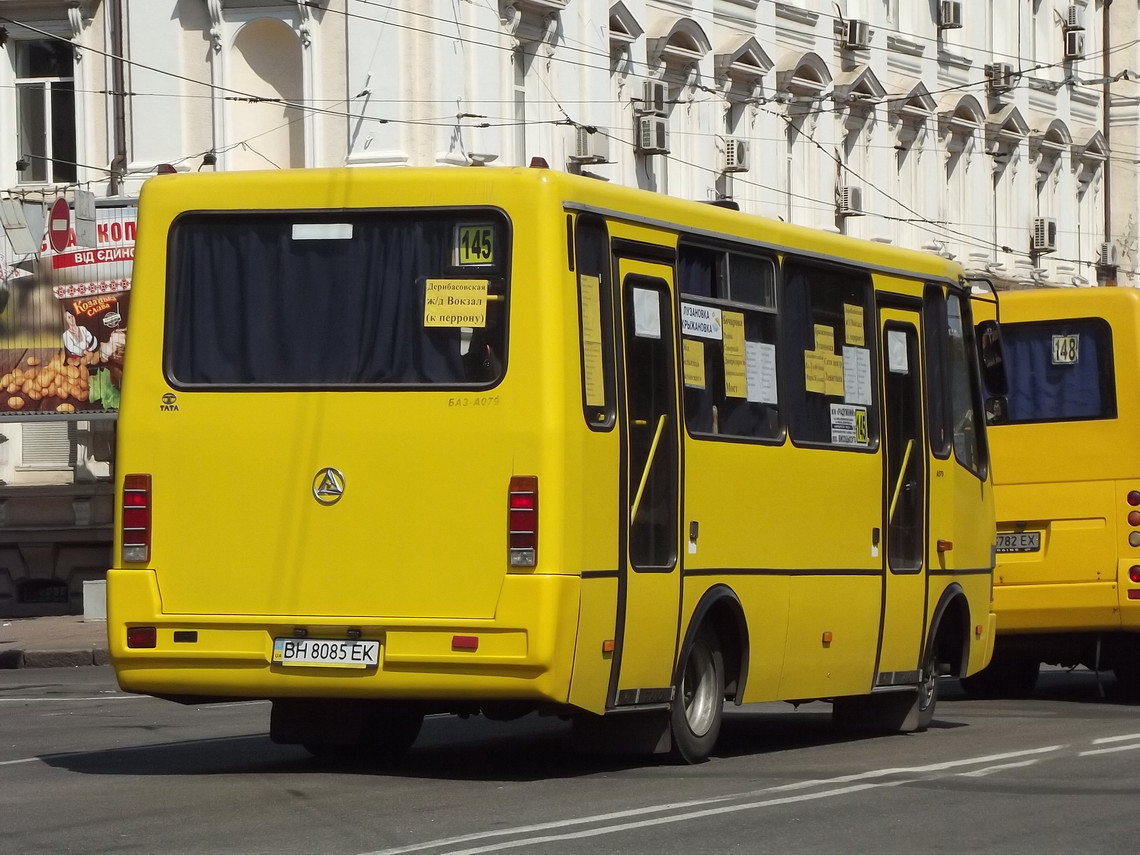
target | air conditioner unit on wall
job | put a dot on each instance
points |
(653, 97)
(950, 15)
(1044, 236)
(591, 145)
(652, 135)
(735, 155)
(1074, 44)
(858, 34)
(1073, 18)
(1109, 254)
(850, 201)
(999, 77)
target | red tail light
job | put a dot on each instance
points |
(522, 513)
(142, 636)
(135, 524)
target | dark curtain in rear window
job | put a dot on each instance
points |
(251, 305)
(1042, 391)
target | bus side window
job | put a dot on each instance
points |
(935, 328)
(729, 342)
(830, 361)
(969, 447)
(595, 322)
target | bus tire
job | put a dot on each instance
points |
(388, 734)
(1007, 676)
(698, 700)
(927, 696)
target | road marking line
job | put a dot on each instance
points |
(58, 700)
(1109, 750)
(989, 770)
(800, 785)
(14, 762)
(1105, 739)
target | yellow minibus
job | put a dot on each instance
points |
(483, 440)
(1067, 487)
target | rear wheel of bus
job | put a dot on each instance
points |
(698, 700)
(346, 730)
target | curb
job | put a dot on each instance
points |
(10, 659)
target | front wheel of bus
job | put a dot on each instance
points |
(698, 700)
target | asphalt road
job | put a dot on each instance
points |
(86, 768)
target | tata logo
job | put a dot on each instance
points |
(328, 486)
(169, 403)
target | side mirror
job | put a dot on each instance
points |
(992, 358)
(997, 410)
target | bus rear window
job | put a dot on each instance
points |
(337, 299)
(1059, 370)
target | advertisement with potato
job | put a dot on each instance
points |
(63, 323)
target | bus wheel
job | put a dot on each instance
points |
(698, 700)
(1007, 676)
(388, 733)
(927, 698)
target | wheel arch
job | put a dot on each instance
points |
(950, 630)
(720, 609)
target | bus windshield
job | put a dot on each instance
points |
(336, 299)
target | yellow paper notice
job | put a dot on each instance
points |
(824, 339)
(592, 341)
(815, 375)
(833, 375)
(735, 367)
(694, 363)
(455, 303)
(853, 324)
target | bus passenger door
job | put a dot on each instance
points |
(905, 483)
(649, 591)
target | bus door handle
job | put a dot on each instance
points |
(648, 466)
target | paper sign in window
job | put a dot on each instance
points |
(700, 321)
(761, 360)
(856, 375)
(853, 324)
(455, 303)
(815, 376)
(735, 371)
(824, 339)
(896, 352)
(646, 313)
(833, 374)
(694, 356)
(592, 341)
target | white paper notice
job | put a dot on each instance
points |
(896, 352)
(700, 321)
(856, 375)
(761, 368)
(646, 313)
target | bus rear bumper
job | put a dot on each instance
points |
(524, 653)
(1062, 607)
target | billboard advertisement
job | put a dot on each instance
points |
(63, 321)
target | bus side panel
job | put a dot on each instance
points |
(589, 685)
(832, 636)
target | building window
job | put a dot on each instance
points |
(45, 99)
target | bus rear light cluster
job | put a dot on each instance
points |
(1134, 573)
(522, 517)
(136, 518)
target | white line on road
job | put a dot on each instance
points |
(1105, 739)
(1109, 750)
(119, 748)
(60, 700)
(989, 770)
(799, 785)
